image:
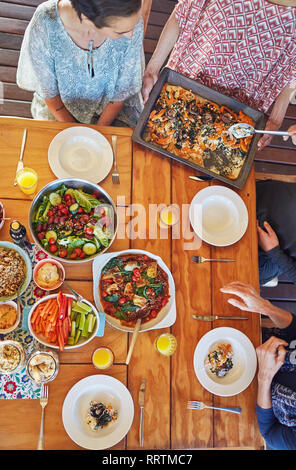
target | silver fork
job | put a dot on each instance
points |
(115, 174)
(43, 403)
(199, 405)
(201, 259)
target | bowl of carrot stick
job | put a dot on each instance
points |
(61, 322)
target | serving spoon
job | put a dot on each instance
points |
(242, 129)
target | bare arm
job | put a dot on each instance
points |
(277, 114)
(58, 109)
(250, 301)
(109, 113)
(166, 42)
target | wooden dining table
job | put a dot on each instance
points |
(146, 180)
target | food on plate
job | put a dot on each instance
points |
(63, 321)
(42, 365)
(8, 316)
(72, 224)
(133, 286)
(100, 415)
(12, 271)
(219, 360)
(9, 357)
(196, 129)
(48, 275)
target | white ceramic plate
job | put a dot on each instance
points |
(165, 318)
(80, 152)
(244, 362)
(108, 390)
(218, 215)
(81, 342)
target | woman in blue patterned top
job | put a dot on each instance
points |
(83, 59)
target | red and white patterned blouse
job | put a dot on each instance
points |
(243, 48)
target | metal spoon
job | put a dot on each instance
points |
(241, 130)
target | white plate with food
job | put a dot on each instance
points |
(225, 361)
(80, 152)
(218, 215)
(128, 297)
(98, 412)
(16, 270)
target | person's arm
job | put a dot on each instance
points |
(251, 301)
(58, 109)
(109, 113)
(277, 114)
(269, 243)
(166, 42)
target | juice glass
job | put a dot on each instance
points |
(166, 344)
(27, 179)
(168, 216)
(103, 358)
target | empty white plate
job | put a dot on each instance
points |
(80, 152)
(218, 215)
(244, 362)
(107, 390)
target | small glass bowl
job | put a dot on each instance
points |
(46, 352)
(19, 362)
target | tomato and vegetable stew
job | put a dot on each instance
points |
(133, 286)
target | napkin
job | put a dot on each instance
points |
(26, 311)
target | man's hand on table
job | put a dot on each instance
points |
(267, 238)
(250, 299)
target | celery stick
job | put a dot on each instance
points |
(82, 321)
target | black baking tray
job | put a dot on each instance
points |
(174, 78)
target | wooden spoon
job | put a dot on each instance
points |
(134, 338)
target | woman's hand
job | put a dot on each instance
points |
(267, 238)
(265, 140)
(292, 130)
(149, 79)
(250, 299)
(271, 356)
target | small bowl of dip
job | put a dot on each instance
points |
(42, 363)
(49, 274)
(12, 356)
(9, 317)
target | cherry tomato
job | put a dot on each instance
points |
(80, 210)
(89, 230)
(67, 197)
(78, 251)
(73, 255)
(145, 258)
(153, 313)
(104, 294)
(164, 301)
(51, 241)
(134, 278)
(82, 254)
(96, 194)
(53, 248)
(137, 273)
(122, 300)
(63, 253)
(64, 211)
(50, 213)
(60, 206)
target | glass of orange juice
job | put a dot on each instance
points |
(166, 344)
(27, 179)
(103, 358)
(168, 216)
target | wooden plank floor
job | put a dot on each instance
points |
(277, 161)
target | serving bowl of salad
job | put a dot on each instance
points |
(73, 220)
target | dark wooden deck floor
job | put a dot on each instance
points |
(278, 161)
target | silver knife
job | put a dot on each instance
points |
(217, 317)
(142, 403)
(20, 164)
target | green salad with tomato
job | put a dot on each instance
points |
(72, 224)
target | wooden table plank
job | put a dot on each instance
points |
(151, 185)
(20, 419)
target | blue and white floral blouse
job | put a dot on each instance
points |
(51, 64)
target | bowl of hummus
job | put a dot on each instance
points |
(9, 317)
(49, 274)
(12, 356)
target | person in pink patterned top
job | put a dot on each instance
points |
(242, 48)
